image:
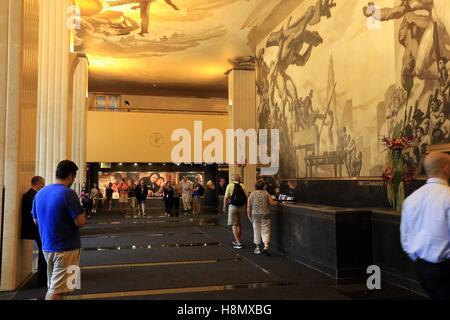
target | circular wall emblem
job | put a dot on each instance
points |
(156, 139)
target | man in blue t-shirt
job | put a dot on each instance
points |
(59, 216)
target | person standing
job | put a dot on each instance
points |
(59, 215)
(186, 193)
(132, 198)
(123, 195)
(258, 211)
(168, 194)
(109, 196)
(236, 198)
(220, 191)
(197, 192)
(85, 200)
(141, 196)
(176, 198)
(221, 187)
(30, 231)
(425, 227)
(95, 196)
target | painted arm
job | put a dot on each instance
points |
(173, 5)
(386, 14)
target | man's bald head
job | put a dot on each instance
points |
(437, 165)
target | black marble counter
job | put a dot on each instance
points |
(341, 242)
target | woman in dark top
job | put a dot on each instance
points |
(196, 194)
(109, 196)
(168, 194)
(141, 195)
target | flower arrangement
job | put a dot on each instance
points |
(398, 169)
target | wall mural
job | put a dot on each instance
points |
(337, 76)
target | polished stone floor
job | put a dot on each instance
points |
(192, 258)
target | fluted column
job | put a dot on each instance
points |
(53, 91)
(20, 126)
(80, 88)
(4, 11)
(242, 115)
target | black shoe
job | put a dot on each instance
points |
(266, 253)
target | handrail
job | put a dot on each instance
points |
(168, 111)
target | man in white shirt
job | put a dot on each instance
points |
(186, 193)
(425, 227)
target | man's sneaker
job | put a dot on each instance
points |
(257, 251)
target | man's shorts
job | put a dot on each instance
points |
(123, 199)
(236, 214)
(57, 269)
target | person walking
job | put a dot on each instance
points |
(168, 194)
(425, 227)
(258, 211)
(59, 215)
(186, 193)
(109, 196)
(30, 231)
(141, 196)
(234, 203)
(95, 196)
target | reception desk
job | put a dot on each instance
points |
(341, 242)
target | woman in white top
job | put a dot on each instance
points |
(258, 211)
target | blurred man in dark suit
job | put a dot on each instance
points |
(30, 230)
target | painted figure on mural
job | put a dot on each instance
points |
(418, 35)
(262, 88)
(144, 8)
(290, 41)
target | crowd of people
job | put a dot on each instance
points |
(133, 196)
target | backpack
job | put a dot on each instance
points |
(238, 198)
(201, 190)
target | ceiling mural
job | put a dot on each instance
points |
(171, 46)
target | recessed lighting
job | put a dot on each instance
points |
(149, 164)
(135, 164)
(120, 164)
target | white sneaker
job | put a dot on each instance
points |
(257, 251)
(237, 245)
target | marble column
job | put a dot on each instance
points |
(242, 115)
(20, 127)
(53, 91)
(79, 105)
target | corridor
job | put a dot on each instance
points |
(188, 258)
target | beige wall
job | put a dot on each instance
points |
(172, 103)
(126, 137)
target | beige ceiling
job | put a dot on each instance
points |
(184, 53)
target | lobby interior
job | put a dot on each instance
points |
(113, 84)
